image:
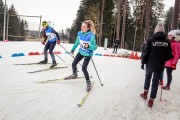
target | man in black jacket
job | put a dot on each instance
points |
(157, 51)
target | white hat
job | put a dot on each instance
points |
(159, 27)
(177, 35)
(173, 33)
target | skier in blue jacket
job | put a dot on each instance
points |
(52, 37)
(86, 40)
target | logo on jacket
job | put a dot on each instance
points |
(164, 44)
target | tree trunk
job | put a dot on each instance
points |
(147, 20)
(176, 12)
(101, 23)
(124, 24)
(118, 20)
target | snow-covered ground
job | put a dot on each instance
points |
(21, 98)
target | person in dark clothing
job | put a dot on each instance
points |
(143, 47)
(157, 52)
(116, 44)
(52, 36)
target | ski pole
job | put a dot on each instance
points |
(96, 70)
(161, 91)
(68, 52)
(161, 86)
(60, 57)
(161, 94)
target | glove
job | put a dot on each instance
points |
(43, 42)
(58, 42)
(142, 66)
(72, 51)
(86, 45)
(173, 66)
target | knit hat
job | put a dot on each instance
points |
(173, 33)
(177, 35)
(159, 28)
(44, 23)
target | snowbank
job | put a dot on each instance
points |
(21, 98)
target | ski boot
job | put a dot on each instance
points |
(88, 88)
(44, 61)
(144, 94)
(73, 76)
(53, 64)
(150, 102)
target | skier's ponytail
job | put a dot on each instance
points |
(90, 25)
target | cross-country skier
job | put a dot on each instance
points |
(52, 37)
(157, 52)
(170, 65)
(86, 40)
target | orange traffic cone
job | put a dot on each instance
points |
(136, 56)
(132, 55)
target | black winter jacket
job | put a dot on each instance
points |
(157, 52)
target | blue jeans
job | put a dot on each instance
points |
(155, 81)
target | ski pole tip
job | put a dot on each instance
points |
(101, 84)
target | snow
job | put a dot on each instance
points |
(21, 98)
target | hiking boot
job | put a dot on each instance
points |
(150, 102)
(144, 94)
(53, 64)
(44, 61)
(166, 87)
(88, 88)
(73, 76)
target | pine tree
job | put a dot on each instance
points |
(14, 23)
(77, 22)
(176, 13)
(123, 24)
(1, 19)
(168, 20)
(156, 8)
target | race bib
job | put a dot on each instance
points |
(50, 36)
(82, 44)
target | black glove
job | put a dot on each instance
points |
(72, 51)
(142, 66)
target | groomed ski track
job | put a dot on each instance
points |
(23, 99)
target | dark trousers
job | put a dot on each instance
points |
(78, 58)
(169, 75)
(49, 46)
(155, 81)
(115, 49)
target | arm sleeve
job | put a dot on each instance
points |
(57, 35)
(75, 44)
(169, 52)
(44, 35)
(146, 52)
(93, 45)
(176, 56)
